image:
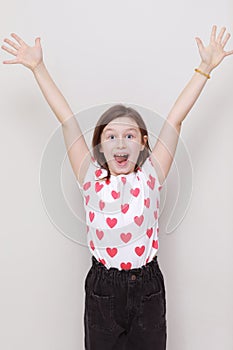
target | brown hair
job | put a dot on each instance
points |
(109, 115)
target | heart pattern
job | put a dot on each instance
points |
(149, 232)
(101, 205)
(91, 216)
(87, 198)
(115, 194)
(119, 210)
(147, 202)
(151, 182)
(99, 233)
(124, 208)
(126, 237)
(155, 244)
(126, 266)
(140, 250)
(111, 222)
(123, 179)
(98, 186)
(111, 251)
(87, 185)
(135, 191)
(98, 172)
(139, 219)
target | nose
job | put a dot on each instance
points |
(121, 142)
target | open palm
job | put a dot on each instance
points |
(29, 56)
(214, 53)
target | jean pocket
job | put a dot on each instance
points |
(152, 311)
(100, 311)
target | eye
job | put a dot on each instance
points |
(111, 137)
(129, 136)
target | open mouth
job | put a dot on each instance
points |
(121, 159)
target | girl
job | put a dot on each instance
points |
(125, 303)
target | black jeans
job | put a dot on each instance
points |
(125, 309)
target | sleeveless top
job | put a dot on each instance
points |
(122, 215)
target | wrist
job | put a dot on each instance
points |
(205, 68)
(38, 68)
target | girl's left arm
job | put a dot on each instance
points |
(211, 56)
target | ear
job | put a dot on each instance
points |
(145, 138)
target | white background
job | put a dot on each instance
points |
(105, 52)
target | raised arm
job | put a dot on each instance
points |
(211, 56)
(32, 58)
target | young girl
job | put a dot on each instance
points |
(125, 304)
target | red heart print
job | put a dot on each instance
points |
(102, 261)
(99, 234)
(151, 182)
(126, 266)
(123, 179)
(135, 192)
(147, 260)
(157, 230)
(101, 205)
(86, 185)
(139, 220)
(92, 245)
(157, 203)
(87, 198)
(147, 202)
(111, 251)
(98, 186)
(111, 222)
(91, 216)
(160, 187)
(108, 181)
(98, 172)
(149, 232)
(155, 244)
(124, 208)
(126, 237)
(156, 215)
(140, 250)
(115, 194)
(87, 228)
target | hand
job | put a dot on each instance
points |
(29, 56)
(214, 53)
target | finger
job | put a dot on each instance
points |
(17, 38)
(229, 53)
(11, 43)
(37, 42)
(199, 43)
(227, 37)
(220, 35)
(11, 61)
(13, 52)
(213, 33)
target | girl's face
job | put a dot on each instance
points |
(121, 144)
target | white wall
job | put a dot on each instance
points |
(100, 52)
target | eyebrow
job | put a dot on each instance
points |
(112, 129)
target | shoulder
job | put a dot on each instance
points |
(151, 171)
(94, 172)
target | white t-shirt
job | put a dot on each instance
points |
(122, 215)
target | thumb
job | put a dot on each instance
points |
(37, 42)
(199, 43)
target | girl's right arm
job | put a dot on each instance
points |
(32, 58)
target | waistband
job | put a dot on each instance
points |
(144, 272)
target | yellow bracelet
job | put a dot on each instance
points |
(205, 74)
